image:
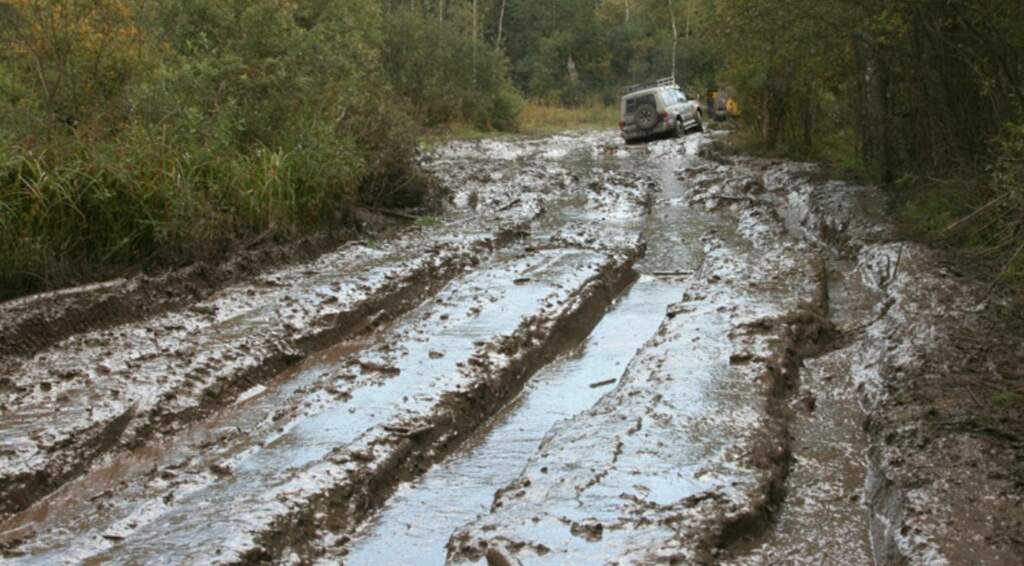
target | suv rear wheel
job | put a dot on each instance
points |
(646, 117)
(679, 130)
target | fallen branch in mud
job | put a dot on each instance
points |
(602, 383)
(409, 432)
(514, 203)
(393, 213)
(733, 198)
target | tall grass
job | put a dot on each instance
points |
(537, 118)
(978, 212)
(1005, 211)
(88, 210)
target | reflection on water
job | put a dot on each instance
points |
(416, 523)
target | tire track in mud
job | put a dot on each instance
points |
(414, 526)
(117, 388)
(34, 323)
(688, 450)
(734, 436)
(814, 512)
(378, 417)
(796, 336)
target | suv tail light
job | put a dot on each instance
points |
(664, 116)
(622, 124)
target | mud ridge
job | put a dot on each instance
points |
(130, 429)
(934, 494)
(411, 452)
(774, 206)
(808, 334)
(925, 349)
(945, 482)
(35, 323)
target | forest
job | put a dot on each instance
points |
(153, 133)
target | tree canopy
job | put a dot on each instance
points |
(132, 127)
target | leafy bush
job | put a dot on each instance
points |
(446, 75)
(1006, 209)
(198, 124)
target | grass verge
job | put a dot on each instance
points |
(535, 119)
(87, 210)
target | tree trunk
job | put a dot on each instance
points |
(474, 40)
(809, 108)
(501, 23)
(675, 37)
(884, 126)
(689, 17)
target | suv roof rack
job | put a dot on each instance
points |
(667, 81)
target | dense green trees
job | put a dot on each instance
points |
(922, 85)
(569, 51)
(156, 131)
(919, 94)
(159, 131)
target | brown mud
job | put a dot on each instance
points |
(120, 386)
(808, 388)
(34, 323)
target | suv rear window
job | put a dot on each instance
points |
(673, 97)
(635, 102)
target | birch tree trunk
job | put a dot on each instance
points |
(501, 23)
(675, 37)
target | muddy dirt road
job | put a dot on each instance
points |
(598, 354)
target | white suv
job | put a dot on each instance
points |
(656, 108)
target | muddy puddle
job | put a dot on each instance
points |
(598, 353)
(415, 524)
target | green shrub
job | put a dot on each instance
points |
(445, 75)
(228, 121)
(1006, 209)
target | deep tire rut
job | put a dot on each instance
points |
(206, 393)
(415, 449)
(804, 392)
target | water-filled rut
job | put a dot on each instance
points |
(414, 526)
(599, 353)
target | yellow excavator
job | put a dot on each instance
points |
(721, 105)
